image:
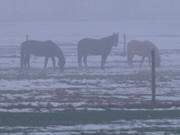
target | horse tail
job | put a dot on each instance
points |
(22, 57)
(78, 52)
(79, 55)
(129, 53)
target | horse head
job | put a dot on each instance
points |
(115, 39)
(61, 60)
(61, 64)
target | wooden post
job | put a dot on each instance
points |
(27, 37)
(124, 44)
(153, 79)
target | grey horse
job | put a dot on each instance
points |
(47, 49)
(102, 47)
(144, 49)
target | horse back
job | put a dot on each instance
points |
(93, 46)
(39, 48)
(141, 48)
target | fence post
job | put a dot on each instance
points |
(124, 44)
(27, 37)
(153, 79)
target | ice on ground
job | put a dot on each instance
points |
(118, 86)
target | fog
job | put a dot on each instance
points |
(88, 10)
(90, 67)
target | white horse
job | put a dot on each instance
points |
(144, 49)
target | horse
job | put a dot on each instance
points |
(47, 49)
(90, 46)
(144, 49)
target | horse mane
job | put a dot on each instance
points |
(107, 37)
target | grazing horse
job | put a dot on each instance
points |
(48, 49)
(89, 46)
(144, 49)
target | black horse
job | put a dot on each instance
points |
(48, 49)
(103, 46)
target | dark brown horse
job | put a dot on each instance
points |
(47, 49)
(102, 47)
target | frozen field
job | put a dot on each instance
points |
(117, 88)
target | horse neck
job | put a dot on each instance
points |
(108, 41)
(107, 38)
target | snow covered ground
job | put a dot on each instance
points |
(122, 127)
(116, 87)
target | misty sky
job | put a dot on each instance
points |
(88, 10)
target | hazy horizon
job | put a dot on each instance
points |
(93, 10)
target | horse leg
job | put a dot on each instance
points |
(28, 61)
(130, 60)
(85, 61)
(80, 60)
(46, 62)
(103, 61)
(54, 63)
(22, 60)
(142, 61)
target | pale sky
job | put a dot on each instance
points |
(88, 10)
